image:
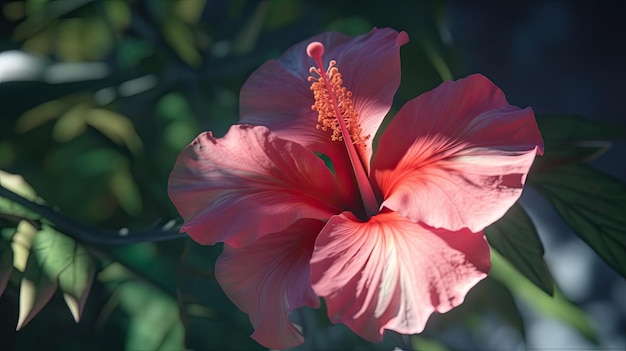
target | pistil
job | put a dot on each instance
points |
(334, 106)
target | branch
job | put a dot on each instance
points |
(92, 235)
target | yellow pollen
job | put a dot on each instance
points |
(327, 118)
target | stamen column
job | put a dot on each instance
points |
(315, 50)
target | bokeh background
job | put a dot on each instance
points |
(98, 97)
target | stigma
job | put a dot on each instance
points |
(333, 101)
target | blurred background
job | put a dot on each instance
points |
(98, 98)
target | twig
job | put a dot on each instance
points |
(92, 235)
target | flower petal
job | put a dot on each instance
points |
(270, 278)
(456, 156)
(391, 273)
(277, 95)
(248, 184)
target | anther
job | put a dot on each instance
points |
(333, 102)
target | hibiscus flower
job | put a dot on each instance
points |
(307, 208)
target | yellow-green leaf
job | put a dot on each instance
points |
(17, 184)
(180, 36)
(116, 127)
(39, 115)
(118, 12)
(123, 186)
(190, 11)
(35, 292)
(436, 58)
(248, 34)
(71, 124)
(96, 40)
(22, 242)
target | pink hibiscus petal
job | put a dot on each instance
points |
(392, 273)
(278, 94)
(270, 278)
(250, 172)
(456, 156)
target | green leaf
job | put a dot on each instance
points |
(145, 259)
(35, 290)
(211, 320)
(281, 13)
(557, 306)
(576, 128)
(153, 318)
(593, 204)
(572, 139)
(155, 323)
(181, 128)
(489, 296)
(6, 263)
(54, 260)
(46, 258)
(515, 238)
(36, 287)
(426, 344)
(498, 298)
(75, 281)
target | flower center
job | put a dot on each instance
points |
(333, 103)
(325, 100)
